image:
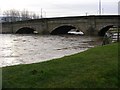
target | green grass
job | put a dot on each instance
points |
(94, 68)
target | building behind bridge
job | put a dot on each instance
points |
(9, 19)
(12, 19)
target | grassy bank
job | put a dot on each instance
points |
(94, 68)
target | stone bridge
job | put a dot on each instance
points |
(90, 25)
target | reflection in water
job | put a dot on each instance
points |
(25, 49)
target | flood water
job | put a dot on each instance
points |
(26, 49)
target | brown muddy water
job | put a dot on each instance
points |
(26, 49)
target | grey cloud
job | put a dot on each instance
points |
(63, 9)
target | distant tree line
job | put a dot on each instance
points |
(16, 15)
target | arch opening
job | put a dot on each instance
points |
(62, 30)
(104, 30)
(26, 30)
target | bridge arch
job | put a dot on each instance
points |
(104, 29)
(64, 29)
(25, 30)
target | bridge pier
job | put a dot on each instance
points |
(91, 32)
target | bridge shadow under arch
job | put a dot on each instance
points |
(62, 29)
(25, 30)
(104, 30)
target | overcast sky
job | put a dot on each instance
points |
(58, 8)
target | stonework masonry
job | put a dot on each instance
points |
(90, 25)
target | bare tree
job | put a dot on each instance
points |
(35, 16)
(15, 15)
(28, 15)
(11, 15)
(6, 13)
(25, 15)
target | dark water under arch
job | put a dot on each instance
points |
(62, 30)
(25, 30)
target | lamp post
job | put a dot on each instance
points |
(119, 8)
(99, 7)
(41, 12)
(118, 21)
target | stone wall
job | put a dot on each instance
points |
(90, 25)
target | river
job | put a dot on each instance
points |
(25, 49)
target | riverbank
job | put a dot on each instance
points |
(94, 68)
